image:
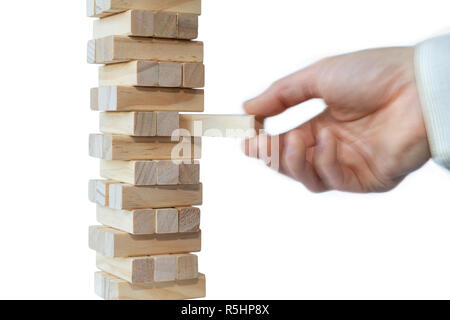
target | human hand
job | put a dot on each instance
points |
(370, 136)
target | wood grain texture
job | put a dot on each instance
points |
(193, 75)
(216, 125)
(150, 269)
(141, 221)
(188, 219)
(118, 147)
(115, 243)
(123, 98)
(112, 288)
(98, 191)
(113, 49)
(153, 74)
(166, 25)
(166, 221)
(144, 221)
(104, 8)
(125, 196)
(146, 173)
(187, 26)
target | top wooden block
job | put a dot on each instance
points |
(103, 8)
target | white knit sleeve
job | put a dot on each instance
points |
(432, 63)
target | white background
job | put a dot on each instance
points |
(264, 236)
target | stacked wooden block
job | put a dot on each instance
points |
(146, 202)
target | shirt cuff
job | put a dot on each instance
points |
(432, 64)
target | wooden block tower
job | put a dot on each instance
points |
(151, 70)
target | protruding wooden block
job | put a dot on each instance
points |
(165, 268)
(166, 220)
(118, 147)
(117, 98)
(193, 75)
(187, 26)
(140, 221)
(112, 288)
(188, 219)
(99, 191)
(143, 221)
(217, 125)
(103, 8)
(187, 266)
(133, 270)
(113, 49)
(124, 196)
(114, 243)
(189, 172)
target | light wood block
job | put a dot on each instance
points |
(216, 125)
(188, 219)
(152, 74)
(145, 173)
(141, 221)
(189, 172)
(113, 49)
(151, 269)
(167, 172)
(187, 26)
(112, 288)
(118, 147)
(103, 8)
(143, 23)
(187, 266)
(129, 123)
(140, 123)
(166, 221)
(193, 75)
(166, 25)
(125, 196)
(165, 268)
(115, 243)
(120, 98)
(98, 191)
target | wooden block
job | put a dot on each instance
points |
(103, 8)
(187, 26)
(141, 221)
(113, 49)
(188, 219)
(166, 221)
(165, 268)
(187, 266)
(193, 75)
(150, 269)
(146, 173)
(209, 125)
(115, 243)
(116, 98)
(125, 196)
(189, 172)
(118, 147)
(142, 173)
(134, 73)
(165, 25)
(167, 123)
(130, 23)
(133, 270)
(99, 191)
(170, 74)
(112, 288)
(128, 123)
